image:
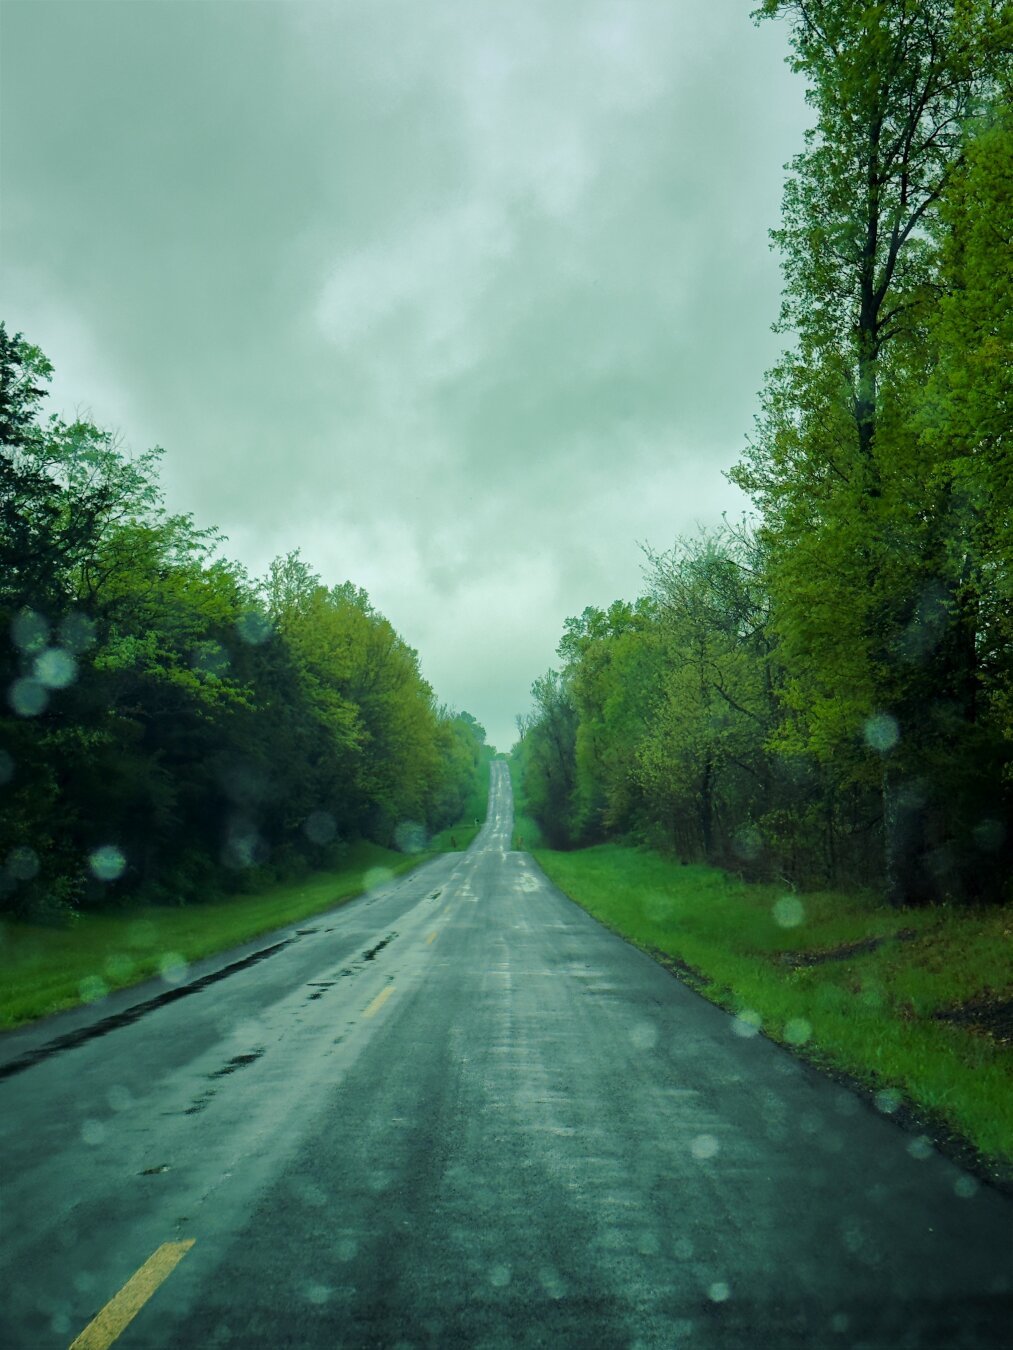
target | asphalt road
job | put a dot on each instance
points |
(458, 1112)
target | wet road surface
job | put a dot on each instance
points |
(458, 1112)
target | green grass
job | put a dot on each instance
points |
(455, 838)
(527, 832)
(868, 1015)
(43, 970)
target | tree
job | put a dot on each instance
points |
(869, 615)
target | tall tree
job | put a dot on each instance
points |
(856, 521)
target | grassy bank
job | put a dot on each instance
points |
(43, 970)
(527, 832)
(915, 1005)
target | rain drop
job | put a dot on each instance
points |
(107, 863)
(22, 863)
(644, 1036)
(377, 877)
(28, 697)
(788, 911)
(409, 837)
(887, 1100)
(552, 1284)
(253, 627)
(30, 631)
(704, 1146)
(797, 1031)
(881, 732)
(92, 988)
(93, 1132)
(119, 967)
(77, 633)
(719, 1292)
(173, 968)
(747, 1023)
(55, 668)
(120, 1098)
(320, 827)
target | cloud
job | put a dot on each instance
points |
(463, 299)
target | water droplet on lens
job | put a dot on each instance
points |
(28, 697)
(881, 732)
(107, 863)
(747, 1023)
(55, 668)
(22, 863)
(92, 988)
(320, 827)
(704, 1146)
(788, 911)
(30, 631)
(797, 1031)
(644, 1036)
(93, 1132)
(887, 1100)
(172, 968)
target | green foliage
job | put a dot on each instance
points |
(827, 697)
(45, 969)
(171, 728)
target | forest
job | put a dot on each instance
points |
(173, 729)
(821, 692)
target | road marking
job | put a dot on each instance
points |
(432, 936)
(123, 1307)
(379, 1001)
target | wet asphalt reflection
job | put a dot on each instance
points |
(458, 1112)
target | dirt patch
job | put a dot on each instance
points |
(990, 1018)
(681, 969)
(799, 960)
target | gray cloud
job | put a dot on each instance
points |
(464, 299)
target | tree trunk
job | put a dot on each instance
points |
(904, 823)
(707, 810)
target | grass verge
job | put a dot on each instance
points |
(44, 970)
(527, 832)
(912, 1005)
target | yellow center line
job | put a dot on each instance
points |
(123, 1307)
(379, 1001)
(432, 936)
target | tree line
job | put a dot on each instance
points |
(824, 692)
(171, 727)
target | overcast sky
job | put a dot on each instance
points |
(464, 299)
